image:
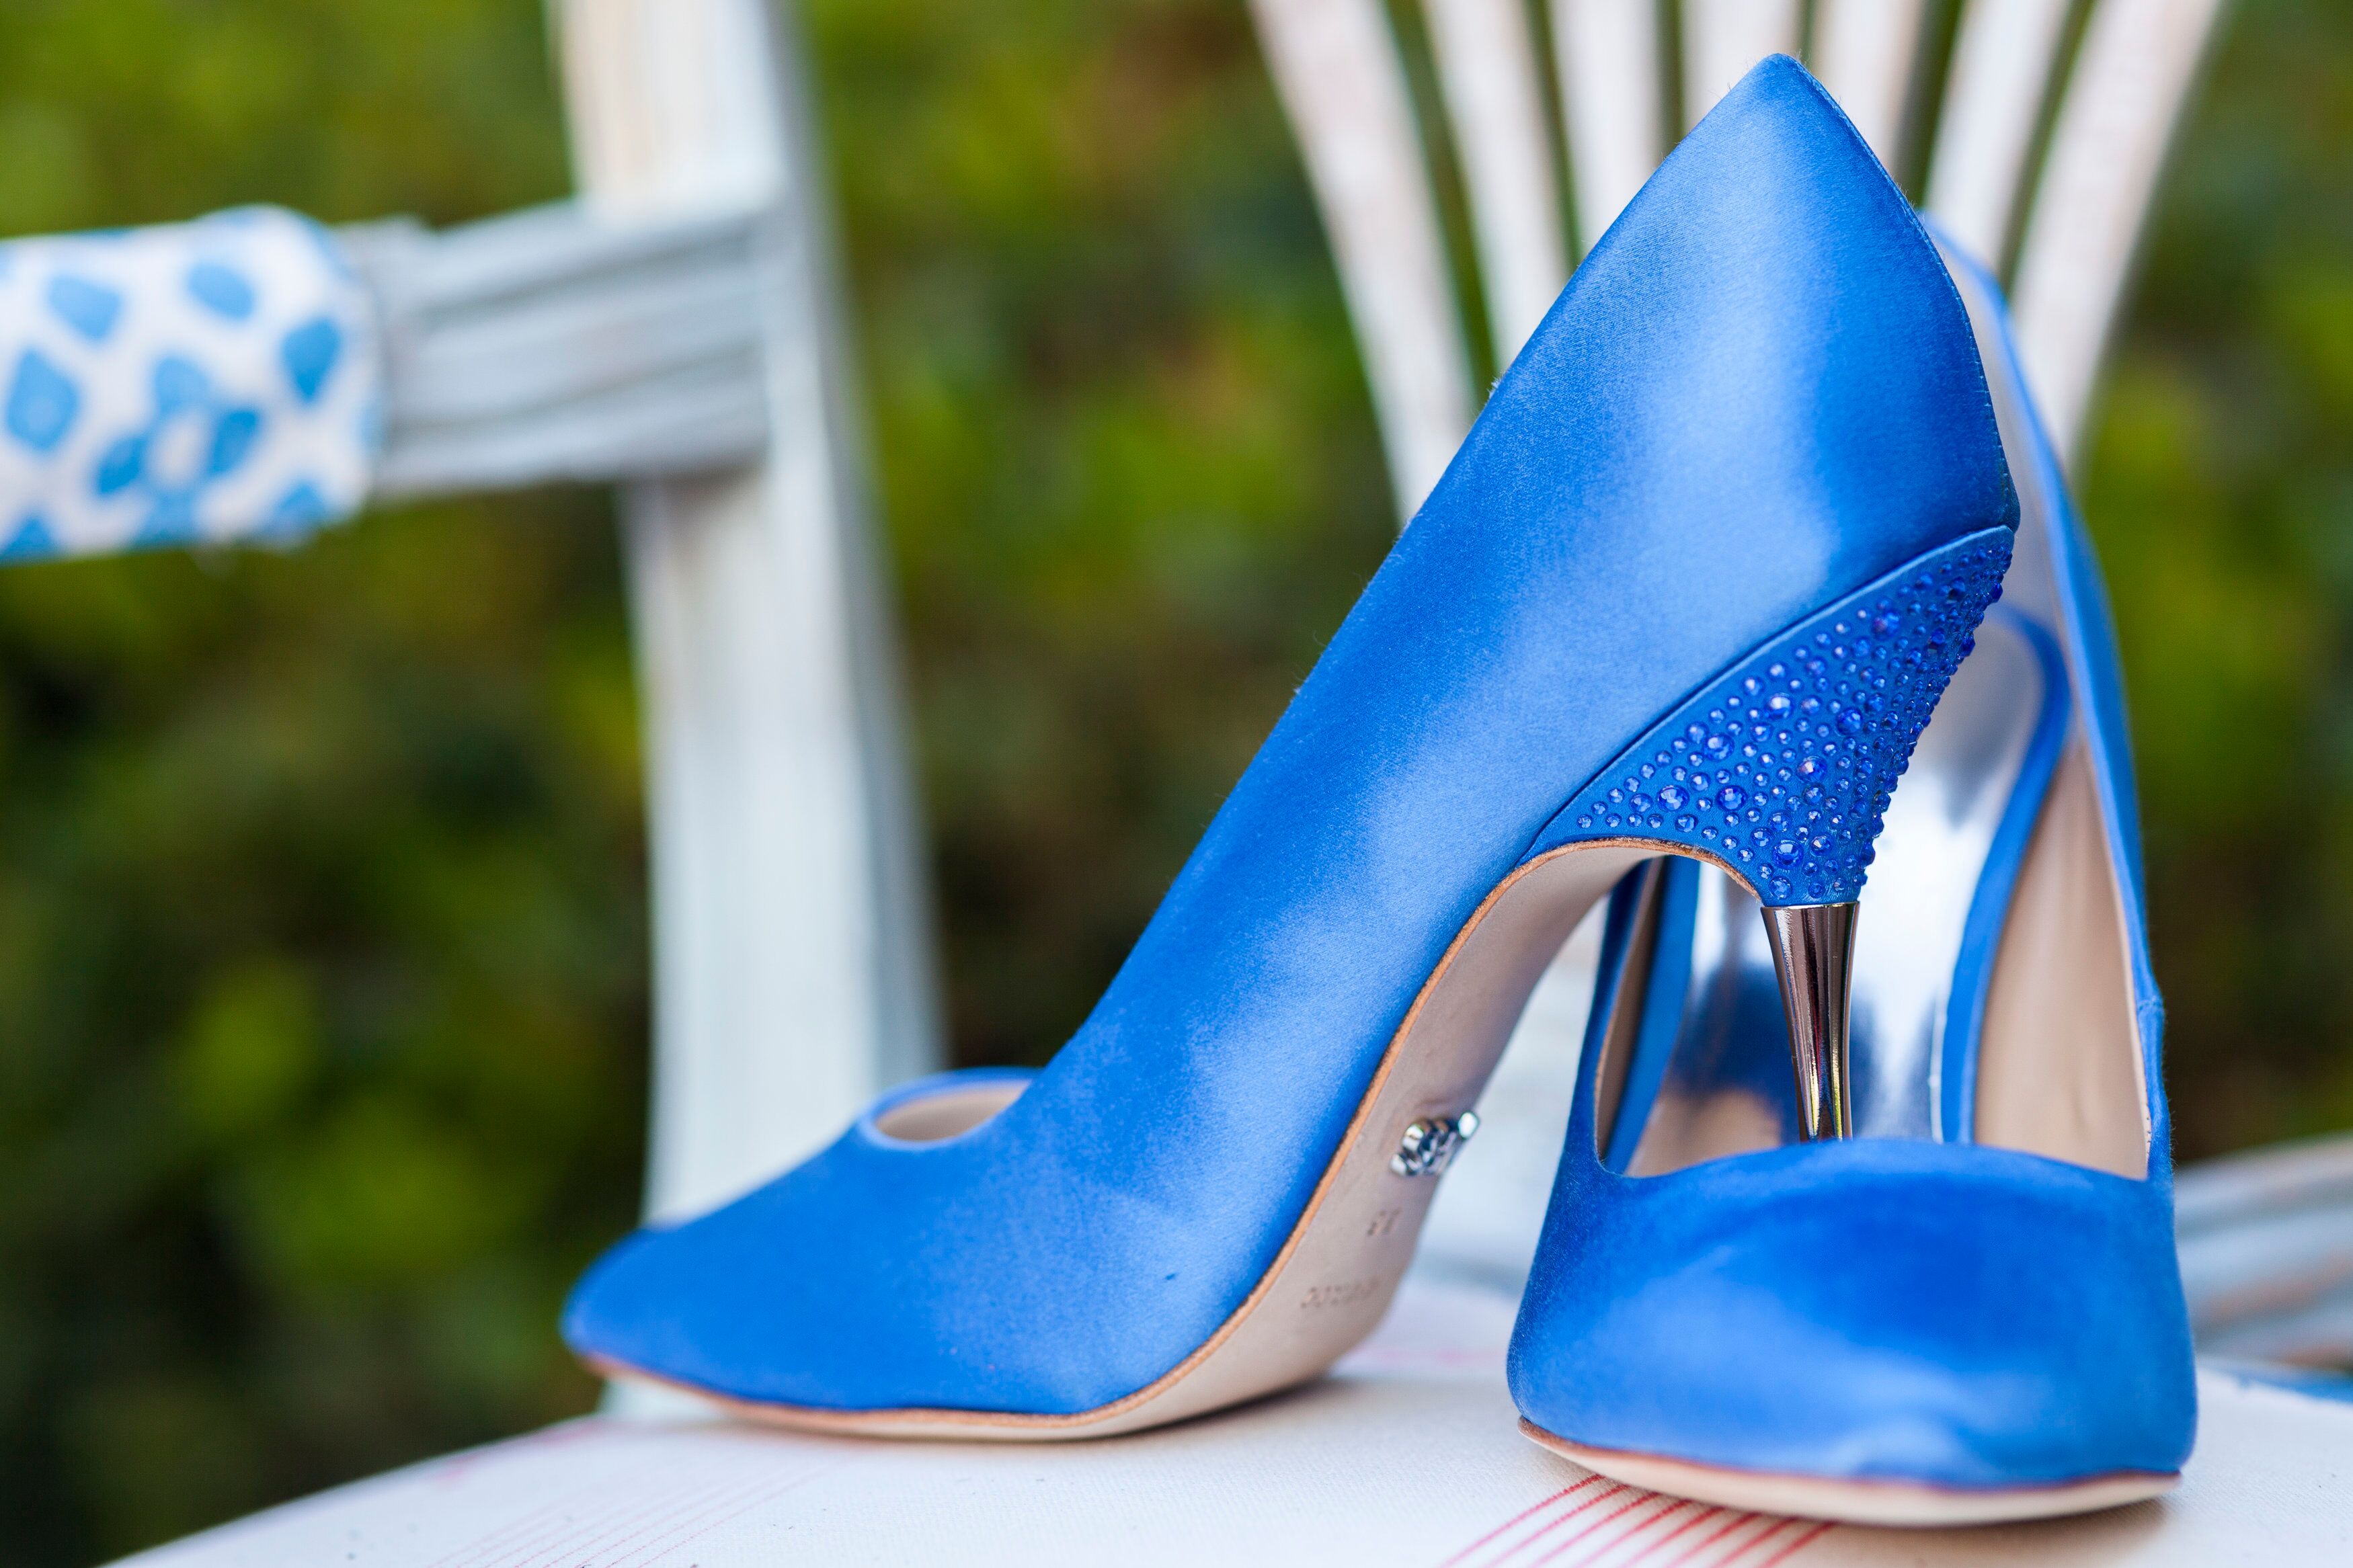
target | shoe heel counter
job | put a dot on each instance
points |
(1780, 769)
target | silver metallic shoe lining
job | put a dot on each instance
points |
(1728, 1086)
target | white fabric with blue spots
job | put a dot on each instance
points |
(201, 382)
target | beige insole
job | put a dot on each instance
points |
(933, 1117)
(2059, 1064)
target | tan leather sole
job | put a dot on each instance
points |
(1331, 1283)
(1856, 1502)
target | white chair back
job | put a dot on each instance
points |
(792, 961)
(2114, 97)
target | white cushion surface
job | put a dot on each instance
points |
(1409, 1454)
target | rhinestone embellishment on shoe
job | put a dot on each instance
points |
(1781, 768)
(1431, 1143)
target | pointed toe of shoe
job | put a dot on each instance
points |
(645, 1308)
(1957, 1317)
(724, 1304)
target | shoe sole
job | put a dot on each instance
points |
(1901, 1503)
(1331, 1282)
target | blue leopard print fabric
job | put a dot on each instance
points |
(199, 383)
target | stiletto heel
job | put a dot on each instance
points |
(1691, 586)
(1937, 1284)
(1813, 958)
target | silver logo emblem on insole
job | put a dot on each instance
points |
(1431, 1143)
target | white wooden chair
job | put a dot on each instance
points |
(791, 958)
(2069, 208)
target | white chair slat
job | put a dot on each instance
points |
(2116, 123)
(790, 959)
(1994, 93)
(1612, 104)
(1722, 38)
(550, 346)
(1335, 65)
(1865, 52)
(541, 351)
(1488, 73)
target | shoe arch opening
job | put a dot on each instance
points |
(950, 1111)
(1692, 1064)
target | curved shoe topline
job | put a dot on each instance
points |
(1751, 438)
(1973, 1310)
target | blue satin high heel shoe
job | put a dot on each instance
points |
(1749, 451)
(1971, 1311)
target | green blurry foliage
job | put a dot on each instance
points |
(322, 989)
(2219, 484)
(1124, 450)
(323, 970)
